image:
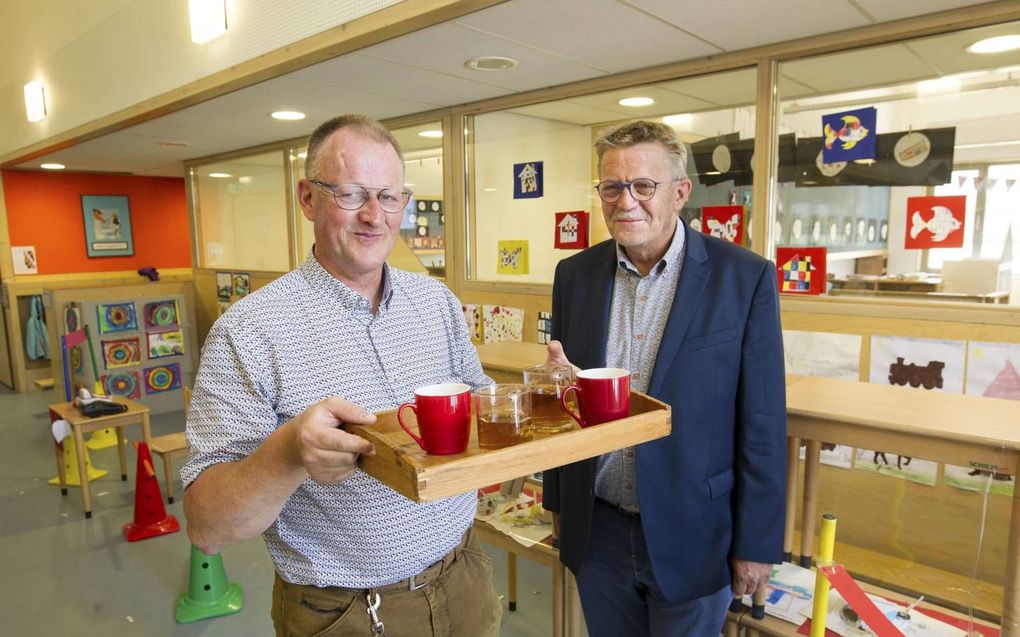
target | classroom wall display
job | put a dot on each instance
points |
(724, 222)
(126, 384)
(544, 327)
(116, 317)
(25, 261)
(224, 286)
(72, 318)
(107, 225)
(571, 230)
(513, 257)
(528, 180)
(161, 314)
(162, 378)
(502, 323)
(935, 222)
(801, 270)
(162, 344)
(849, 135)
(79, 361)
(123, 352)
(473, 318)
(242, 283)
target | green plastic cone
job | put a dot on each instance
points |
(209, 593)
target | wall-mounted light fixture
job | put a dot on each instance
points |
(35, 101)
(208, 19)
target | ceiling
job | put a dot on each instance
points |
(555, 43)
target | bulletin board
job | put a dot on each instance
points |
(143, 336)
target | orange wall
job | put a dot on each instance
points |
(44, 210)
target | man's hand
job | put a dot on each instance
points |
(328, 453)
(747, 576)
(555, 356)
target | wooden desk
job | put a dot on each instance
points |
(136, 413)
(505, 361)
(963, 430)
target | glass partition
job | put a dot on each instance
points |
(533, 169)
(242, 213)
(937, 185)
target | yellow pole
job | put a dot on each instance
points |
(826, 541)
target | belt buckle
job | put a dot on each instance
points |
(411, 586)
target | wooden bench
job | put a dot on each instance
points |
(166, 447)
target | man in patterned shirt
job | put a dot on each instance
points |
(342, 336)
(658, 534)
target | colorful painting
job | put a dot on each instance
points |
(123, 352)
(79, 362)
(513, 257)
(107, 226)
(25, 261)
(126, 384)
(117, 317)
(801, 270)
(724, 222)
(242, 283)
(571, 231)
(849, 135)
(473, 318)
(502, 323)
(72, 318)
(528, 180)
(935, 222)
(162, 378)
(162, 314)
(224, 286)
(169, 343)
(544, 327)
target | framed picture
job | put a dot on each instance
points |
(107, 225)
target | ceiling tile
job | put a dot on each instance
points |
(883, 10)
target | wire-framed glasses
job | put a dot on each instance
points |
(640, 189)
(353, 196)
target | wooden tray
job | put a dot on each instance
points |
(402, 465)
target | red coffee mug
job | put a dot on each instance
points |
(603, 394)
(444, 418)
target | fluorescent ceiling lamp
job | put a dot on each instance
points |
(35, 101)
(287, 115)
(999, 44)
(430, 133)
(220, 175)
(208, 19)
(949, 84)
(52, 166)
(636, 101)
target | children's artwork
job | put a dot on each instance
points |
(528, 180)
(116, 317)
(513, 257)
(473, 318)
(126, 384)
(918, 623)
(724, 222)
(242, 283)
(790, 590)
(502, 323)
(162, 378)
(801, 270)
(170, 343)
(72, 318)
(849, 135)
(571, 230)
(935, 222)
(123, 352)
(544, 327)
(79, 360)
(224, 286)
(919, 363)
(162, 314)
(822, 354)
(107, 226)
(222, 307)
(991, 372)
(24, 260)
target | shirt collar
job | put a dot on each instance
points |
(324, 282)
(673, 254)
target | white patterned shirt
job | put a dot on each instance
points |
(637, 318)
(302, 338)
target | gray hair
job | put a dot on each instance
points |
(642, 131)
(360, 123)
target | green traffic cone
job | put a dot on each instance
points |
(209, 593)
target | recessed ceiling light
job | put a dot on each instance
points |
(220, 175)
(430, 133)
(52, 166)
(287, 115)
(998, 44)
(636, 101)
(491, 63)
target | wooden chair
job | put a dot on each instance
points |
(170, 445)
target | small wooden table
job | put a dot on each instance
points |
(81, 424)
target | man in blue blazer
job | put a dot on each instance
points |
(659, 535)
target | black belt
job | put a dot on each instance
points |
(630, 515)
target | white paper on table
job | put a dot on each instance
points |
(60, 429)
(919, 624)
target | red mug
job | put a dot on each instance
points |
(444, 418)
(603, 394)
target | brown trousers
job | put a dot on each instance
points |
(459, 603)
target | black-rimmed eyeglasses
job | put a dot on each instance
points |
(640, 189)
(353, 196)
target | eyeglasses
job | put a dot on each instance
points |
(353, 196)
(640, 189)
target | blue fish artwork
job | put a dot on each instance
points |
(849, 135)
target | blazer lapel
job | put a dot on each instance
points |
(600, 297)
(689, 290)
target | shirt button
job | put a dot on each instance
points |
(640, 337)
(644, 297)
(637, 374)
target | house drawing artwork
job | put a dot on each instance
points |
(528, 180)
(568, 229)
(1006, 384)
(571, 230)
(801, 270)
(797, 274)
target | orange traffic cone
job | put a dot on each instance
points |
(151, 518)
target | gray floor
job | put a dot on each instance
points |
(65, 575)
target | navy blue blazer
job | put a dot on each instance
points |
(715, 487)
